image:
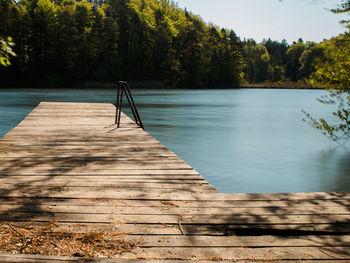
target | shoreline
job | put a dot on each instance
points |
(160, 85)
(286, 85)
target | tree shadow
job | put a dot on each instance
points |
(135, 187)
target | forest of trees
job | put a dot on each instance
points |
(66, 42)
(63, 42)
(272, 61)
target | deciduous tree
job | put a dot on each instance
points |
(6, 51)
(334, 74)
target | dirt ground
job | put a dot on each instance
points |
(45, 240)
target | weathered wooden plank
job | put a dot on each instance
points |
(126, 150)
(109, 129)
(89, 160)
(115, 180)
(75, 105)
(102, 180)
(127, 147)
(173, 210)
(84, 154)
(125, 186)
(99, 129)
(102, 192)
(90, 152)
(72, 139)
(117, 185)
(179, 204)
(75, 122)
(165, 175)
(89, 145)
(44, 159)
(120, 184)
(151, 165)
(99, 192)
(70, 130)
(79, 118)
(262, 254)
(87, 142)
(102, 127)
(36, 171)
(56, 259)
(153, 241)
(96, 181)
(42, 110)
(59, 259)
(65, 114)
(125, 134)
(284, 230)
(174, 219)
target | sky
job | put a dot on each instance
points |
(310, 20)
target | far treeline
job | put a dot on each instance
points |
(67, 42)
(278, 62)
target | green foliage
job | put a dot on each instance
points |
(310, 59)
(256, 68)
(334, 71)
(6, 51)
(344, 7)
(62, 42)
(272, 61)
(294, 53)
(334, 74)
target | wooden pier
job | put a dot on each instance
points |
(66, 171)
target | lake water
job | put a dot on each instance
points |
(243, 140)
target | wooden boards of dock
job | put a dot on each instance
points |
(66, 169)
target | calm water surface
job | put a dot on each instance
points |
(239, 140)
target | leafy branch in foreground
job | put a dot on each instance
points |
(334, 74)
(6, 51)
(337, 132)
(344, 7)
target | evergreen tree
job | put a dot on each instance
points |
(62, 42)
(293, 60)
